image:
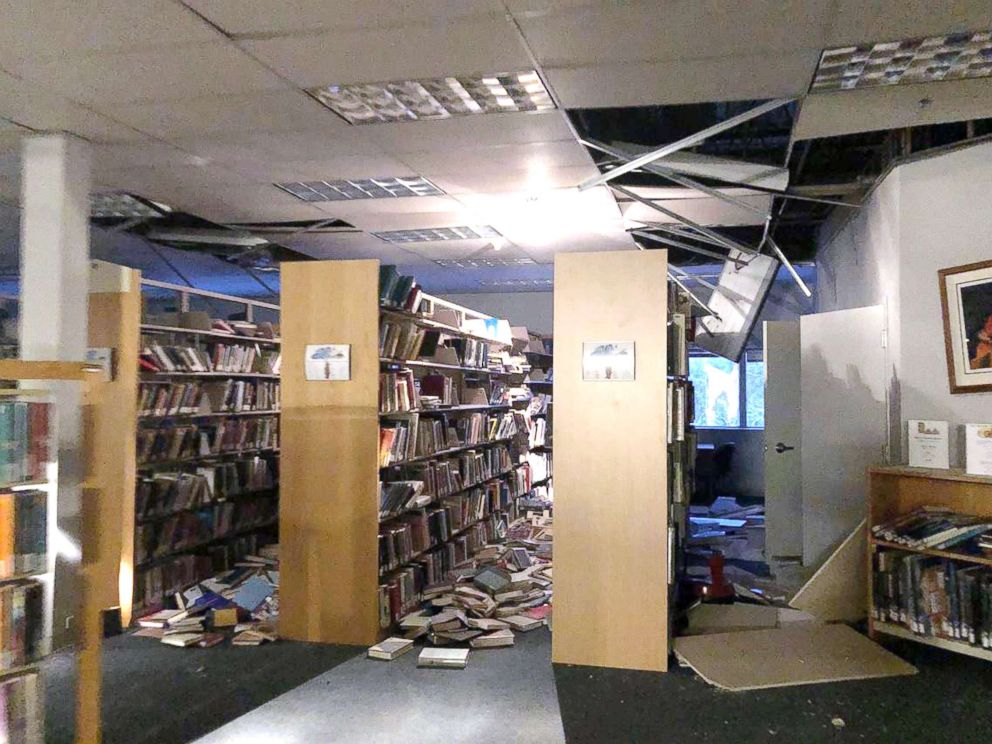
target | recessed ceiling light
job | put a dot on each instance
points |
(480, 263)
(364, 188)
(438, 233)
(436, 98)
(951, 57)
(517, 283)
(121, 205)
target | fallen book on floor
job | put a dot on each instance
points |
(182, 640)
(443, 658)
(390, 648)
(497, 639)
(210, 640)
(519, 622)
(160, 619)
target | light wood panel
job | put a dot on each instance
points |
(611, 503)
(114, 321)
(328, 515)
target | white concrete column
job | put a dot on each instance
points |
(55, 246)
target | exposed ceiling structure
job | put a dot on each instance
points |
(382, 113)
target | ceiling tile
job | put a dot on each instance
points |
(462, 249)
(349, 245)
(704, 211)
(273, 169)
(380, 55)
(239, 17)
(471, 131)
(225, 115)
(379, 221)
(176, 73)
(499, 181)
(336, 140)
(690, 81)
(893, 107)
(674, 30)
(535, 156)
(857, 21)
(27, 26)
(404, 205)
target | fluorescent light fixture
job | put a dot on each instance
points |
(436, 98)
(363, 188)
(438, 233)
(517, 283)
(481, 263)
(950, 57)
(119, 204)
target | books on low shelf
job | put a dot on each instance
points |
(242, 358)
(206, 397)
(24, 440)
(23, 532)
(179, 442)
(21, 710)
(21, 624)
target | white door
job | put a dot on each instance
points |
(843, 422)
(783, 431)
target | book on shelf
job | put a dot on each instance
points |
(212, 397)
(398, 392)
(933, 597)
(23, 532)
(24, 440)
(21, 710)
(241, 358)
(398, 290)
(21, 624)
(936, 528)
(215, 437)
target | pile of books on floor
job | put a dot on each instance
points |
(508, 587)
(241, 604)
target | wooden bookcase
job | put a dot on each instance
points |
(329, 510)
(611, 478)
(894, 491)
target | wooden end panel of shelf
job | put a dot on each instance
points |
(611, 513)
(114, 319)
(328, 518)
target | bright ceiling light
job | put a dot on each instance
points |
(435, 98)
(480, 263)
(437, 233)
(951, 57)
(364, 188)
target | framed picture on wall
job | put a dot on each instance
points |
(966, 301)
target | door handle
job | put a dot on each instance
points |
(780, 448)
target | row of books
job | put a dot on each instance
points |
(210, 357)
(227, 396)
(23, 533)
(169, 443)
(540, 404)
(164, 579)
(403, 590)
(191, 529)
(398, 290)
(24, 440)
(403, 339)
(412, 436)
(680, 409)
(398, 497)
(163, 494)
(21, 711)
(934, 597)
(451, 474)
(21, 624)
(538, 436)
(937, 528)
(540, 465)
(398, 392)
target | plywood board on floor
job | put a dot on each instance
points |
(801, 654)
(838, 590)
(726, 618)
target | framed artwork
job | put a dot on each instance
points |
(966, 301)
(608, 360)
(328, 362)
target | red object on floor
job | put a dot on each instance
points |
(718, 588)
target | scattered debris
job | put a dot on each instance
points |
(838, 722)
(244, 600)
(508, 588)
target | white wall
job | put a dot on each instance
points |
(929, 214)
(530, 309)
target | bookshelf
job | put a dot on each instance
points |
(353, 558)
(204, 448)
(611, 484)
(540, 410)
(898, 490)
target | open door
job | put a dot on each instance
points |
(843, 422)
(783, 432)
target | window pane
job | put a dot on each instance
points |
(754, 393)
(717, 389)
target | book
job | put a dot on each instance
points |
(496, 639)
(160, 619)
(390, 648)
(443, 658)
(182, 640)
(522, 623)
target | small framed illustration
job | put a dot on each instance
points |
(328, 362)
(966, 302)
(608, 360)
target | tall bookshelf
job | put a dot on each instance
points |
(539, 381)
(353, 559)
(207, 437)
(681, 434)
